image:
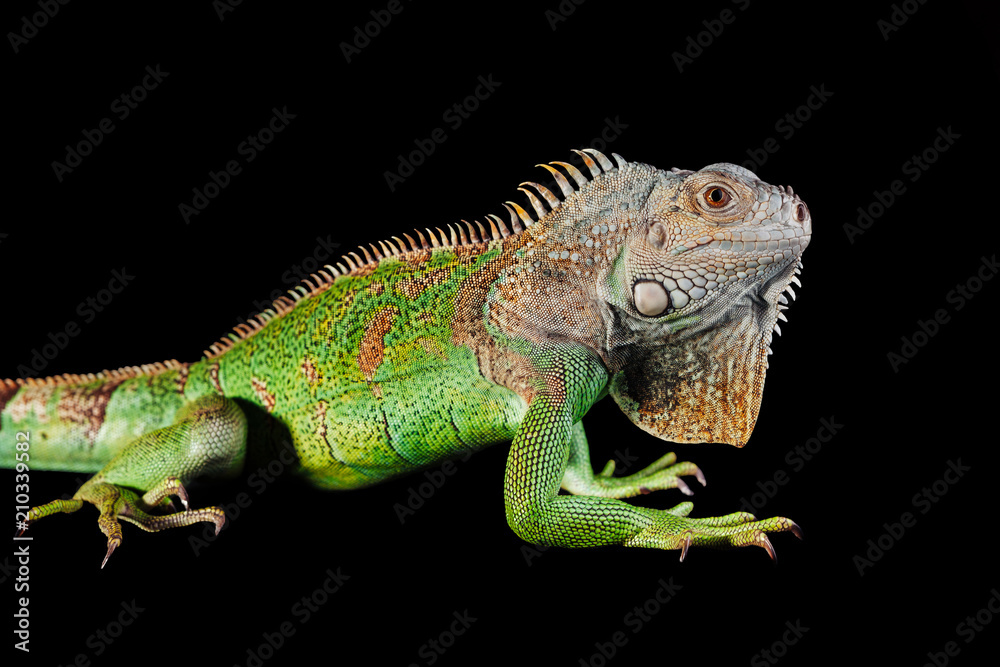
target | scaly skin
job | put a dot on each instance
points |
(658, 288)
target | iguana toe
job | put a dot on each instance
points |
(662, 474)
(674, 529)
(120, 503)
(744, 530)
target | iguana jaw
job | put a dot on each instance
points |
(701, 378)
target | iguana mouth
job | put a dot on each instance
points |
(769, 244)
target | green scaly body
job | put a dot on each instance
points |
(388, 365)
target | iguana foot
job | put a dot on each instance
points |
(672, 529)
(659, 475)
(118, 502)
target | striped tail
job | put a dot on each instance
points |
(78, 423)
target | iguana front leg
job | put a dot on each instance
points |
(571, 379)
(664, 473)
(208, 438)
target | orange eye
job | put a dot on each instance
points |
(717, 197)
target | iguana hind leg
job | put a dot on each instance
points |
(208, 438)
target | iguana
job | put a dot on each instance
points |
(658, 288)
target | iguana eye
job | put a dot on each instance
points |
(717, 197)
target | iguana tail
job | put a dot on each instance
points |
(78, 423)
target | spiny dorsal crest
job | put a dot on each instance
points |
(119, 374)
(456, 236)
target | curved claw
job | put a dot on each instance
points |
(182, 495)
(686, 545)
(797, 531)
(766, 543)
(112, 545)
(160, 494)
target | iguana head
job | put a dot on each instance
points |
(694, 293)
(674, 278)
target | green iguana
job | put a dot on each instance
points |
(660, 288)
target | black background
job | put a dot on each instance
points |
(324, 177)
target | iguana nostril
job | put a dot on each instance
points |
(801, 212)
